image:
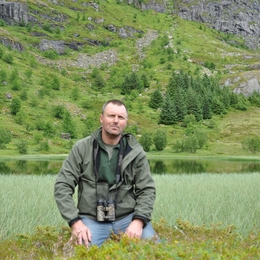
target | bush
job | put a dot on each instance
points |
(15, 106)
(22, 146)
(160, 139)
(8, 58)
(190, 144)
(5, 137)
(58, 111)
(146, 141)
(49, 129)
(68, 125)
(51, 54)
(44, 146)
(189, 119)
(133, 129)
(251, 144)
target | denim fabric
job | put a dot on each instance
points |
(102, 230)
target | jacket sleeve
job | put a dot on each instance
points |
(144, 189)
(65, 185)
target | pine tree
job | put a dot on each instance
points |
(180, 104)
(193, 104)
(68, 125)
(156, 99)
(130, 83)
(206, 108)
(145, 81)
(168, 113)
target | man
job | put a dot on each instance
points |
(116, 191)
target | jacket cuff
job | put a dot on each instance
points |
(71, 222)
(142, 218)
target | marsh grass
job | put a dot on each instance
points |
(27, 202)
(201, 199)
(205, 199)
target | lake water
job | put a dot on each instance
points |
(158, 166)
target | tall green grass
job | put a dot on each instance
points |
(202, 199)
(205, 199)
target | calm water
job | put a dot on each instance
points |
(158, 166)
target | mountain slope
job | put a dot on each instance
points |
(55, 49)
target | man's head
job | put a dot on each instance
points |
(113, 119)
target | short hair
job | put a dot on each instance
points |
(114, 102)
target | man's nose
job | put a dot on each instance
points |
(116, 119)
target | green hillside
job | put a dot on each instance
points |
(91, 69)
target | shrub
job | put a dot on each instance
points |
(146, 141)
(37, 137)
(51, 54)
(3, 74)
(8, 58)
(20, 117)
(75, 94)
(22, 146)
(190, 144)
(251, 144)
(160, 139)
(15, 106)
(44, 146)
(68, 125)
(23, 95)
(5, 137)
(49, 129)
(133, 129)
(58, 111)
(189, 119)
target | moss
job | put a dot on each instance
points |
(183, 241)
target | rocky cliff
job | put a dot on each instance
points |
(231, 16)
(13, 12)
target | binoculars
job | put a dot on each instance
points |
(105, 210)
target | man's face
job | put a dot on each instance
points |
(113, 120)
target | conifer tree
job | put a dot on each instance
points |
(180, 104)
(168, 113)
(193, 104)
(130, 83)
(156, 99)
(145, 81)
(68, 125)
(206, 108)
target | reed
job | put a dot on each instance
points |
(27, 201)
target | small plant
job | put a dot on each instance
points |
(44, 146)
(22, 146)
(251, 144)
(160, 139)
(15, 105)
(51, 54)
(8, 58)
(146, 141)
(5, 137)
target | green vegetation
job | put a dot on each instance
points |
(161, 80)
(205, 216)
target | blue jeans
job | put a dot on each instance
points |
(102, 230)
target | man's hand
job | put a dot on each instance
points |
(135, 229)
(80, 232)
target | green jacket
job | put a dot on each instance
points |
(135, 190)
